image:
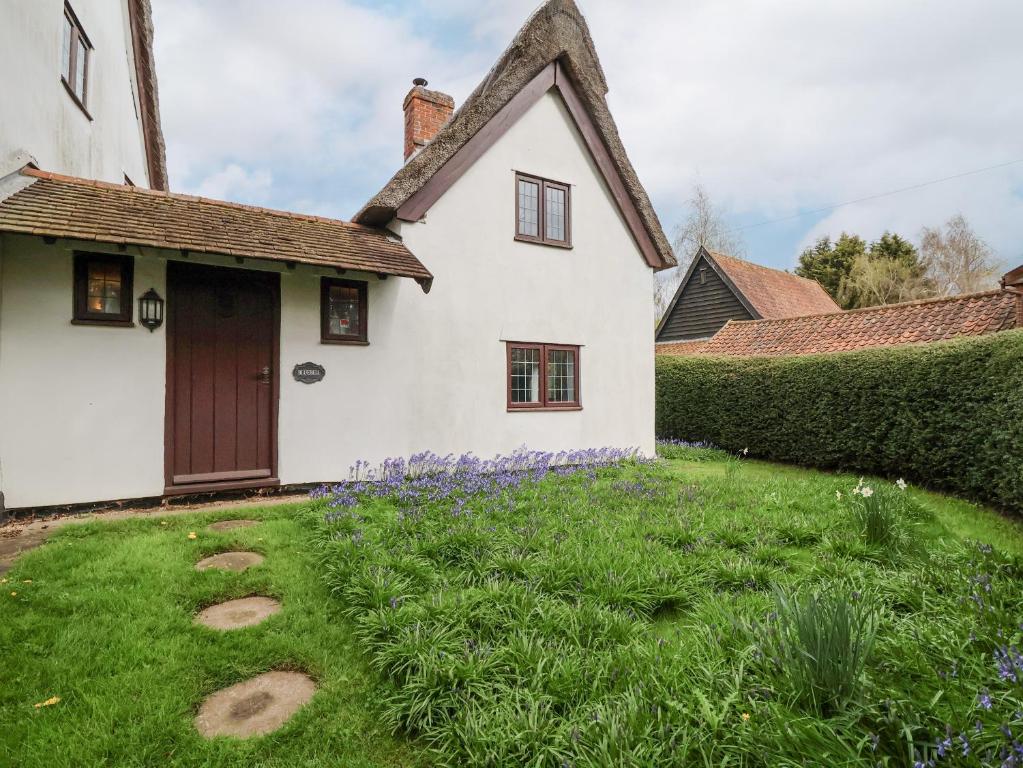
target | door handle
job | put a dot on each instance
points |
(264, 375)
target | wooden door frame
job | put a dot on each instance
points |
(273, 281)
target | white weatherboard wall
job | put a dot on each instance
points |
(82, 408)
(39, 117)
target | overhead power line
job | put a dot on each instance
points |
(922, 184)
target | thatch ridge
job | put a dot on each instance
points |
(557, 31)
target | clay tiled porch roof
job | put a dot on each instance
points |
(52, 205)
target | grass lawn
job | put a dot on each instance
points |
(644, 614)
(106, 625)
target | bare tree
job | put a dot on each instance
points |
(956, 259)
(705, 226)
(872, 281)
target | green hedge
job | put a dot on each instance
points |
(948, 415)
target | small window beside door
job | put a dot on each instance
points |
(103, 289)
(343, 308)
(542, 211)
(543, 376)
(75, 54)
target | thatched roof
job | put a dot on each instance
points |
(140, 14)
(556, 32)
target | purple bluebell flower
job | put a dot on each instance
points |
(944, 746)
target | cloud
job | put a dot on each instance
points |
(775, 107)
(236, 183)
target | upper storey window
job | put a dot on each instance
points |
(75, 49)
(542, 211)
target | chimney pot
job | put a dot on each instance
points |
(426, 112)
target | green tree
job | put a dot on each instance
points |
(830, 263)
(892, 246)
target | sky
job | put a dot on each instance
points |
(778, 109)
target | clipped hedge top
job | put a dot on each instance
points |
(948, 414)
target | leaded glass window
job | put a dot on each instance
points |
(543, 211)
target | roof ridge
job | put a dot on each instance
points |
(878, 307)
(124, 188)
(554, 35)
(719, 254)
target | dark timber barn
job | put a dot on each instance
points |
(718, 288)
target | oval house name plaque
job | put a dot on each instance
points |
(308, 373)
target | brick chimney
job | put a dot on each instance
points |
(426, 112)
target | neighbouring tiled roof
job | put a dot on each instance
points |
(773, 293)
(885, 326)
(556, 31)
(64, 206)
(692, 347)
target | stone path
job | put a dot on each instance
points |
(229, 561)
(263, 703)
(19, 536)
(250, 708)
(254, 707)
(230, 525)
(236, 614)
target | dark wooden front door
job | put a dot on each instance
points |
(222, 377)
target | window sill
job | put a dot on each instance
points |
(111, 323)
(74, 97)
(346, 342)
(546, 409)
(548, 243)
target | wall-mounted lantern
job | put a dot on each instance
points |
(151, 310)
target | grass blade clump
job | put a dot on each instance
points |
(877, 511)
(821, 642)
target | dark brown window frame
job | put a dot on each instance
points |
(545, 404)
(544, 184)
(80, 314)
(78, 38)
(326, 337)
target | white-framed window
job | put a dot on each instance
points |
(75, 54)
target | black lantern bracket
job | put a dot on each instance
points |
(151, 310)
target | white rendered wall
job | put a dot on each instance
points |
(39, 117)
(82, 408)
(490, 288)
(434, 375)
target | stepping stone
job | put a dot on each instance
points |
(235, 614)
(230, 525)
(255, 707)
(230, 561)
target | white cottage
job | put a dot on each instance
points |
(496, 293)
